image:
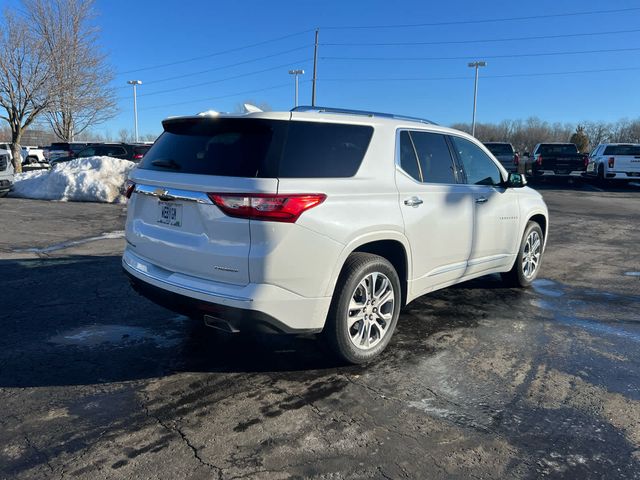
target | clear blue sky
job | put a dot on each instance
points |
(137, 35)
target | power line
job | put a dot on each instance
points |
(488, 40)
(466, 77)
(209, 70)
(257, 90)
(209, 55)
(466, 57)
(219, 80)
(486, 20)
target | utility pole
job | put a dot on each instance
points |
(475, 65)
(296, 73)
(135, 83)
(315, 70)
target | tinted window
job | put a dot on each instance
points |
(622, 150)
(113, 151)
(479, 168)
(408, 160)
(228, 147)
(500, 148)
(435, 159)
(259, 148)
(560, 149)
(324, 149)
(88, 152)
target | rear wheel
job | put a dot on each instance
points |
(527, 265)
(365, 308)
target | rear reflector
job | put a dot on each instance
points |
(260, 206)
(128, 188)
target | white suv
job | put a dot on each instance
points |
(322, 220)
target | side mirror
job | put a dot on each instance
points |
(516, 180)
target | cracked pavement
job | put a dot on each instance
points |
(480, 381)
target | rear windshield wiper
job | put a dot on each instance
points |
(166, 163)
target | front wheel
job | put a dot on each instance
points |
(365, 308)
(527, 265)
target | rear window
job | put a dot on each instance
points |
(622, 150)
(561, 149)
(259, 148)
(59, 146)
(499, 148)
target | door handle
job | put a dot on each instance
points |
(481, 200)
(413, 202)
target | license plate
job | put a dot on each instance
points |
(170, 214)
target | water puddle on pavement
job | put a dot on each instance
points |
(593, 310)
(115, 335)
(71, 243)
(632, 274)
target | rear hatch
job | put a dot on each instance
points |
(561, 158)
(173, 223)
(626, 158)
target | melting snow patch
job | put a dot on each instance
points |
(91, 179)
(632, 274)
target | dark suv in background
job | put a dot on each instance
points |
(124, 151)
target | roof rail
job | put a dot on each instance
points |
(347, 111)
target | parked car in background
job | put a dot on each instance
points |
(7, 148)
(506, 155)
(6, 170)
(64, 150)
(559, 160)
(123, 151)
(615, 161)
(33, 155)
(297, 222)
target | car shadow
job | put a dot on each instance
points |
(76, 321)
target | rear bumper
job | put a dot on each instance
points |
(258, 307)
(554, 173)
(630, 176)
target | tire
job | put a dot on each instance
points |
(373, 332)
(518, 276)
(4, 194)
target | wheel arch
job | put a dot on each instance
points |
(393, 246)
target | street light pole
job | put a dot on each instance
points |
(475, 65)
(135, 83)
(296, 73)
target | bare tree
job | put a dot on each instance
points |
(80, 76)
(24, 73)
(125, 135)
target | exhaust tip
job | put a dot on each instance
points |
(219, 324)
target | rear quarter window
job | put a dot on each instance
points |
(324, 150)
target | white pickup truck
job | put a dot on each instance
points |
(615, 161)
(34, 156)
(6, 171)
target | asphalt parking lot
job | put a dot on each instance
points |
(480, 381)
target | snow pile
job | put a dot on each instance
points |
(91, 179)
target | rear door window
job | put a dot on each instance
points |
(434, 157)
(408, 159)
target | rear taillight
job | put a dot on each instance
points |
(516, 159)
(275, 208)
(129, 186)
(138, 156)
(70, 152)
(612, 162)
(539, 160)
